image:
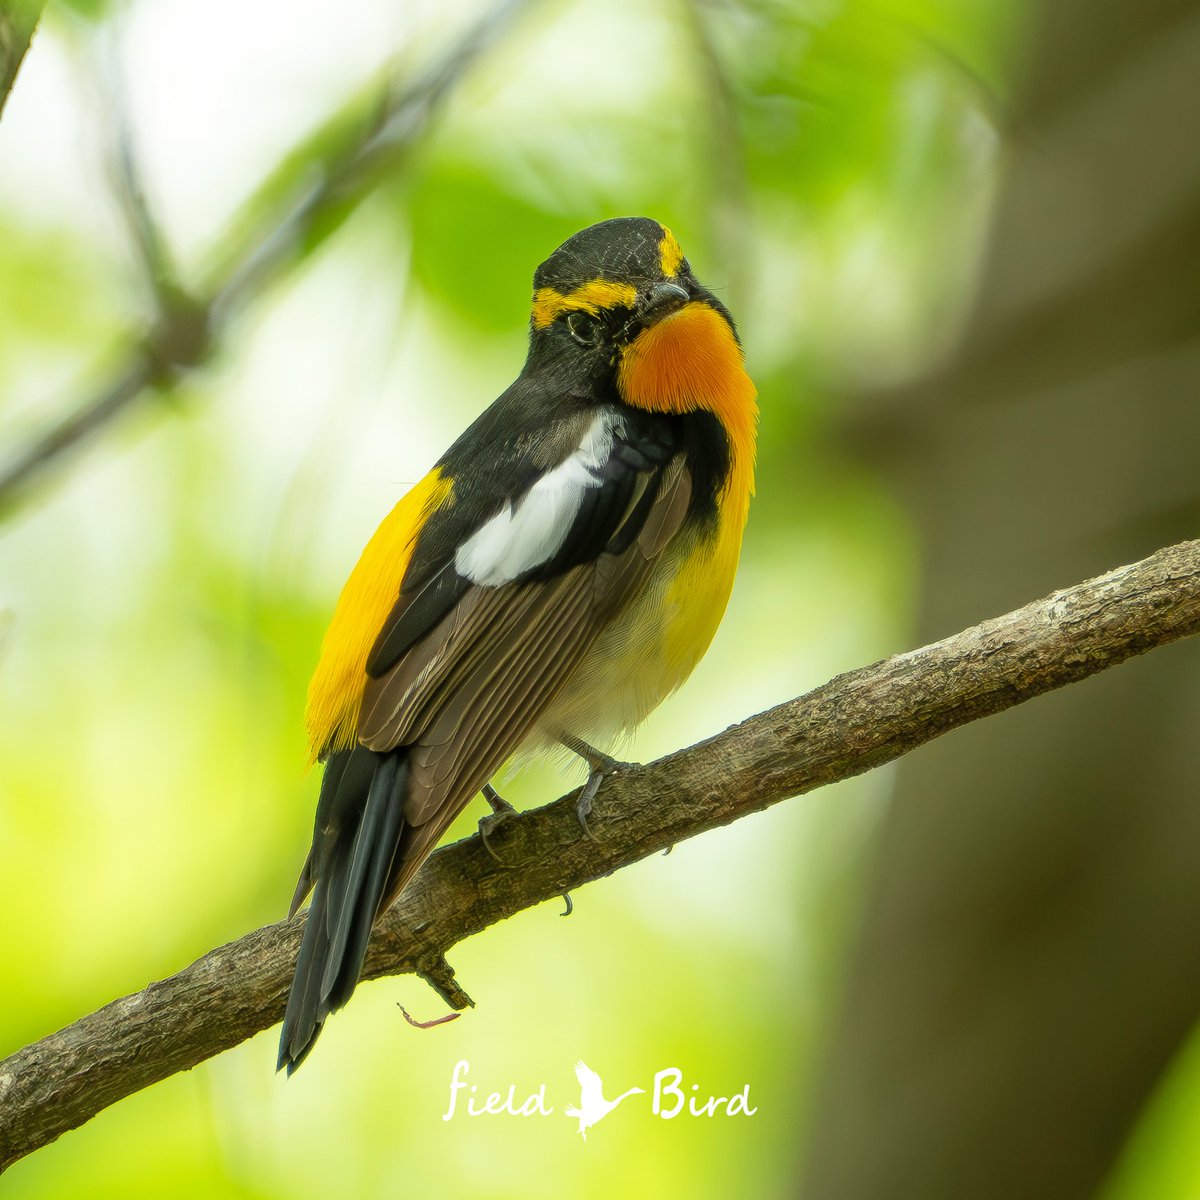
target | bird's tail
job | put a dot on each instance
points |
(358, 827)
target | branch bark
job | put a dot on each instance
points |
(857, 721)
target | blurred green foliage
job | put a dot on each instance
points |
(827, 166)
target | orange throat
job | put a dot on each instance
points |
(691, 361)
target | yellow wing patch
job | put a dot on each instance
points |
(335, 693)
(593, 297)
(670, 254)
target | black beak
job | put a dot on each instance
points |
(661, 300)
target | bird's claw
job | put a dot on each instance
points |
(501, 811)
(599, 765)
(583, 806)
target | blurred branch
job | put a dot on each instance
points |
(18, 20)
(154, 255)
(308, 197)
(855, 722)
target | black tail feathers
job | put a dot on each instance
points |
(358, 827)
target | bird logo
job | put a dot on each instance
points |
(593, 1107)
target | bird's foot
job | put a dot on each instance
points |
(583, 806)
(501, 811)
(600, 765)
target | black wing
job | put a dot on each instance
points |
(488, 473)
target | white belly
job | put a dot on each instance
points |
(650, 648)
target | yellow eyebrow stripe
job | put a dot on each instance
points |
(593, 297)
(670, 254)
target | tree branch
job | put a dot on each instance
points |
(851, 724)
(296, 208)
(18, 20)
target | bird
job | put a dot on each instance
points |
(557, 573)
(593, 1107)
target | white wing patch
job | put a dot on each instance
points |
(523, 536)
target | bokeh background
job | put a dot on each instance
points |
(961, 239)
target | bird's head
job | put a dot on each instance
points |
(616, 307)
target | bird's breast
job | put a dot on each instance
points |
(653, 644)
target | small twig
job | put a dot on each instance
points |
(126, 385)
(853, 723)
(430, 1024)
(124, 167)
(403, 112)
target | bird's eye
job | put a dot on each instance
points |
(584, 328)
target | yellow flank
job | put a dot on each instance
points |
(689, 361)
(670, 254)
(652, 646)
(592, 297)
(697, 596)
(335, 693)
